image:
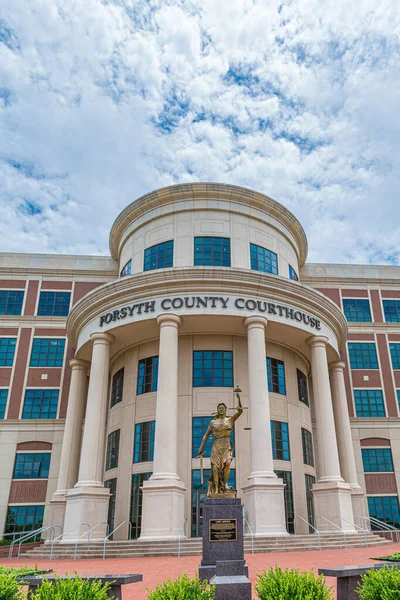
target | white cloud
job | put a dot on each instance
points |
(102, 101)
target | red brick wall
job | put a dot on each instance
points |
(380, 483)
(374, 442)
(34, 446)
(47, 331)
(376, 306)
(5, 376)
(8, 331)
(333, 294)
(56, 285)
(35, 377)
(354, 293)
(28, 491)
(84, 287)
(374, 379)
(386, 367)
(361, 337)
(390, 293)
(12, 284)
(19, 374)
(31, 296)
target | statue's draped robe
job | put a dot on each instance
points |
(221, 453)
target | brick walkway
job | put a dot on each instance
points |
(156, 570)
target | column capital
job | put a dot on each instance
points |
(102, 337)
(77, 363)
(169, 319)
(317, 340)
(255, 322)
(337, 366)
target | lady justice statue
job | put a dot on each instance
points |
(221, 454)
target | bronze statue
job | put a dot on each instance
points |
(221, 453)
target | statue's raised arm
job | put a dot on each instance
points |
(239, 407)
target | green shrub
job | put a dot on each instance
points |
(291, 585)
(73, 588)
(23, 571)
(383, 584)
(10, 589)
(183, 588)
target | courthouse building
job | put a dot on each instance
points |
(112, 366)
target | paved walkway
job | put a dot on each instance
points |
(156, 570)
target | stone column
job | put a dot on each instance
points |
(344, 439)
(332, 496)
(164, 492)
(71, 446)
(87, 502)
(263, 496)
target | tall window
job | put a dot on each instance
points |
(308, 454)
(199, 428)
(144, 441)
(310, 481)
(127, 269)
(280, 440)
(11, 302)
(117, 387)
(24, 518)
(302, 387)
(377, 460)
(54, 304)
(3, 403)
(262, 259)
(363, 356)
(47, 352)
(212, 251)
(32, 465)
(397, 391)
(276, 376)
(40, 404)
(391, 309)
(395, 354)
(112, 450)
(288, 496)
(160, 256)
(137, 503)
(7, 351)
(369, 403)
(147, 375)
(199, 493)
(292, 274)
(212, 368)
(385, 508)
(356, 309)
(111, 484)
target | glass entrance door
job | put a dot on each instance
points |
(199, 493)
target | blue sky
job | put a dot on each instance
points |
(103, 101)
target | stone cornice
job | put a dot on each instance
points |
(195, 280)
(158, 199)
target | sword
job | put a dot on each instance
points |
(200, 456)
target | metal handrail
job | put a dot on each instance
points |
(88, 534)
(113, 531)
(27, 537)
(36, 531)
(62, 535)
(185, 522)
(355, 526)
(251, 533)
(337, 527)
(312, 527)
(384, 526)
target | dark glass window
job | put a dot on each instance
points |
(377, 460)
(384, 508)
(7, 351)
(356, 310)
(212, 368)
(24, 518)
(397, 391)
(117, 387)
(147, 375)
(308, 454)
(369, 403)
(276, 376)
(395, 354)
(292, 274)
(363, 356)
(32, 465)
(47, 352)
(111, 484)
(310, 481)
(160, 256)
(302, 387)
(3, 403)
(199, 493)
(11, 302)
(392, 310)
(40, 404)
(288, 496)
(144, 441)
(127, 270)
(54, 304)
(200, 426)
(262, 259)
(212, 251)
(112, 450)
(137, 503)
(280, 440)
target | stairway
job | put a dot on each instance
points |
(192, 546)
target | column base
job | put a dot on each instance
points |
(333, 500)
(163, 510)
(265, 506)
(86, 504)
(359, 503)
(58, 504)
